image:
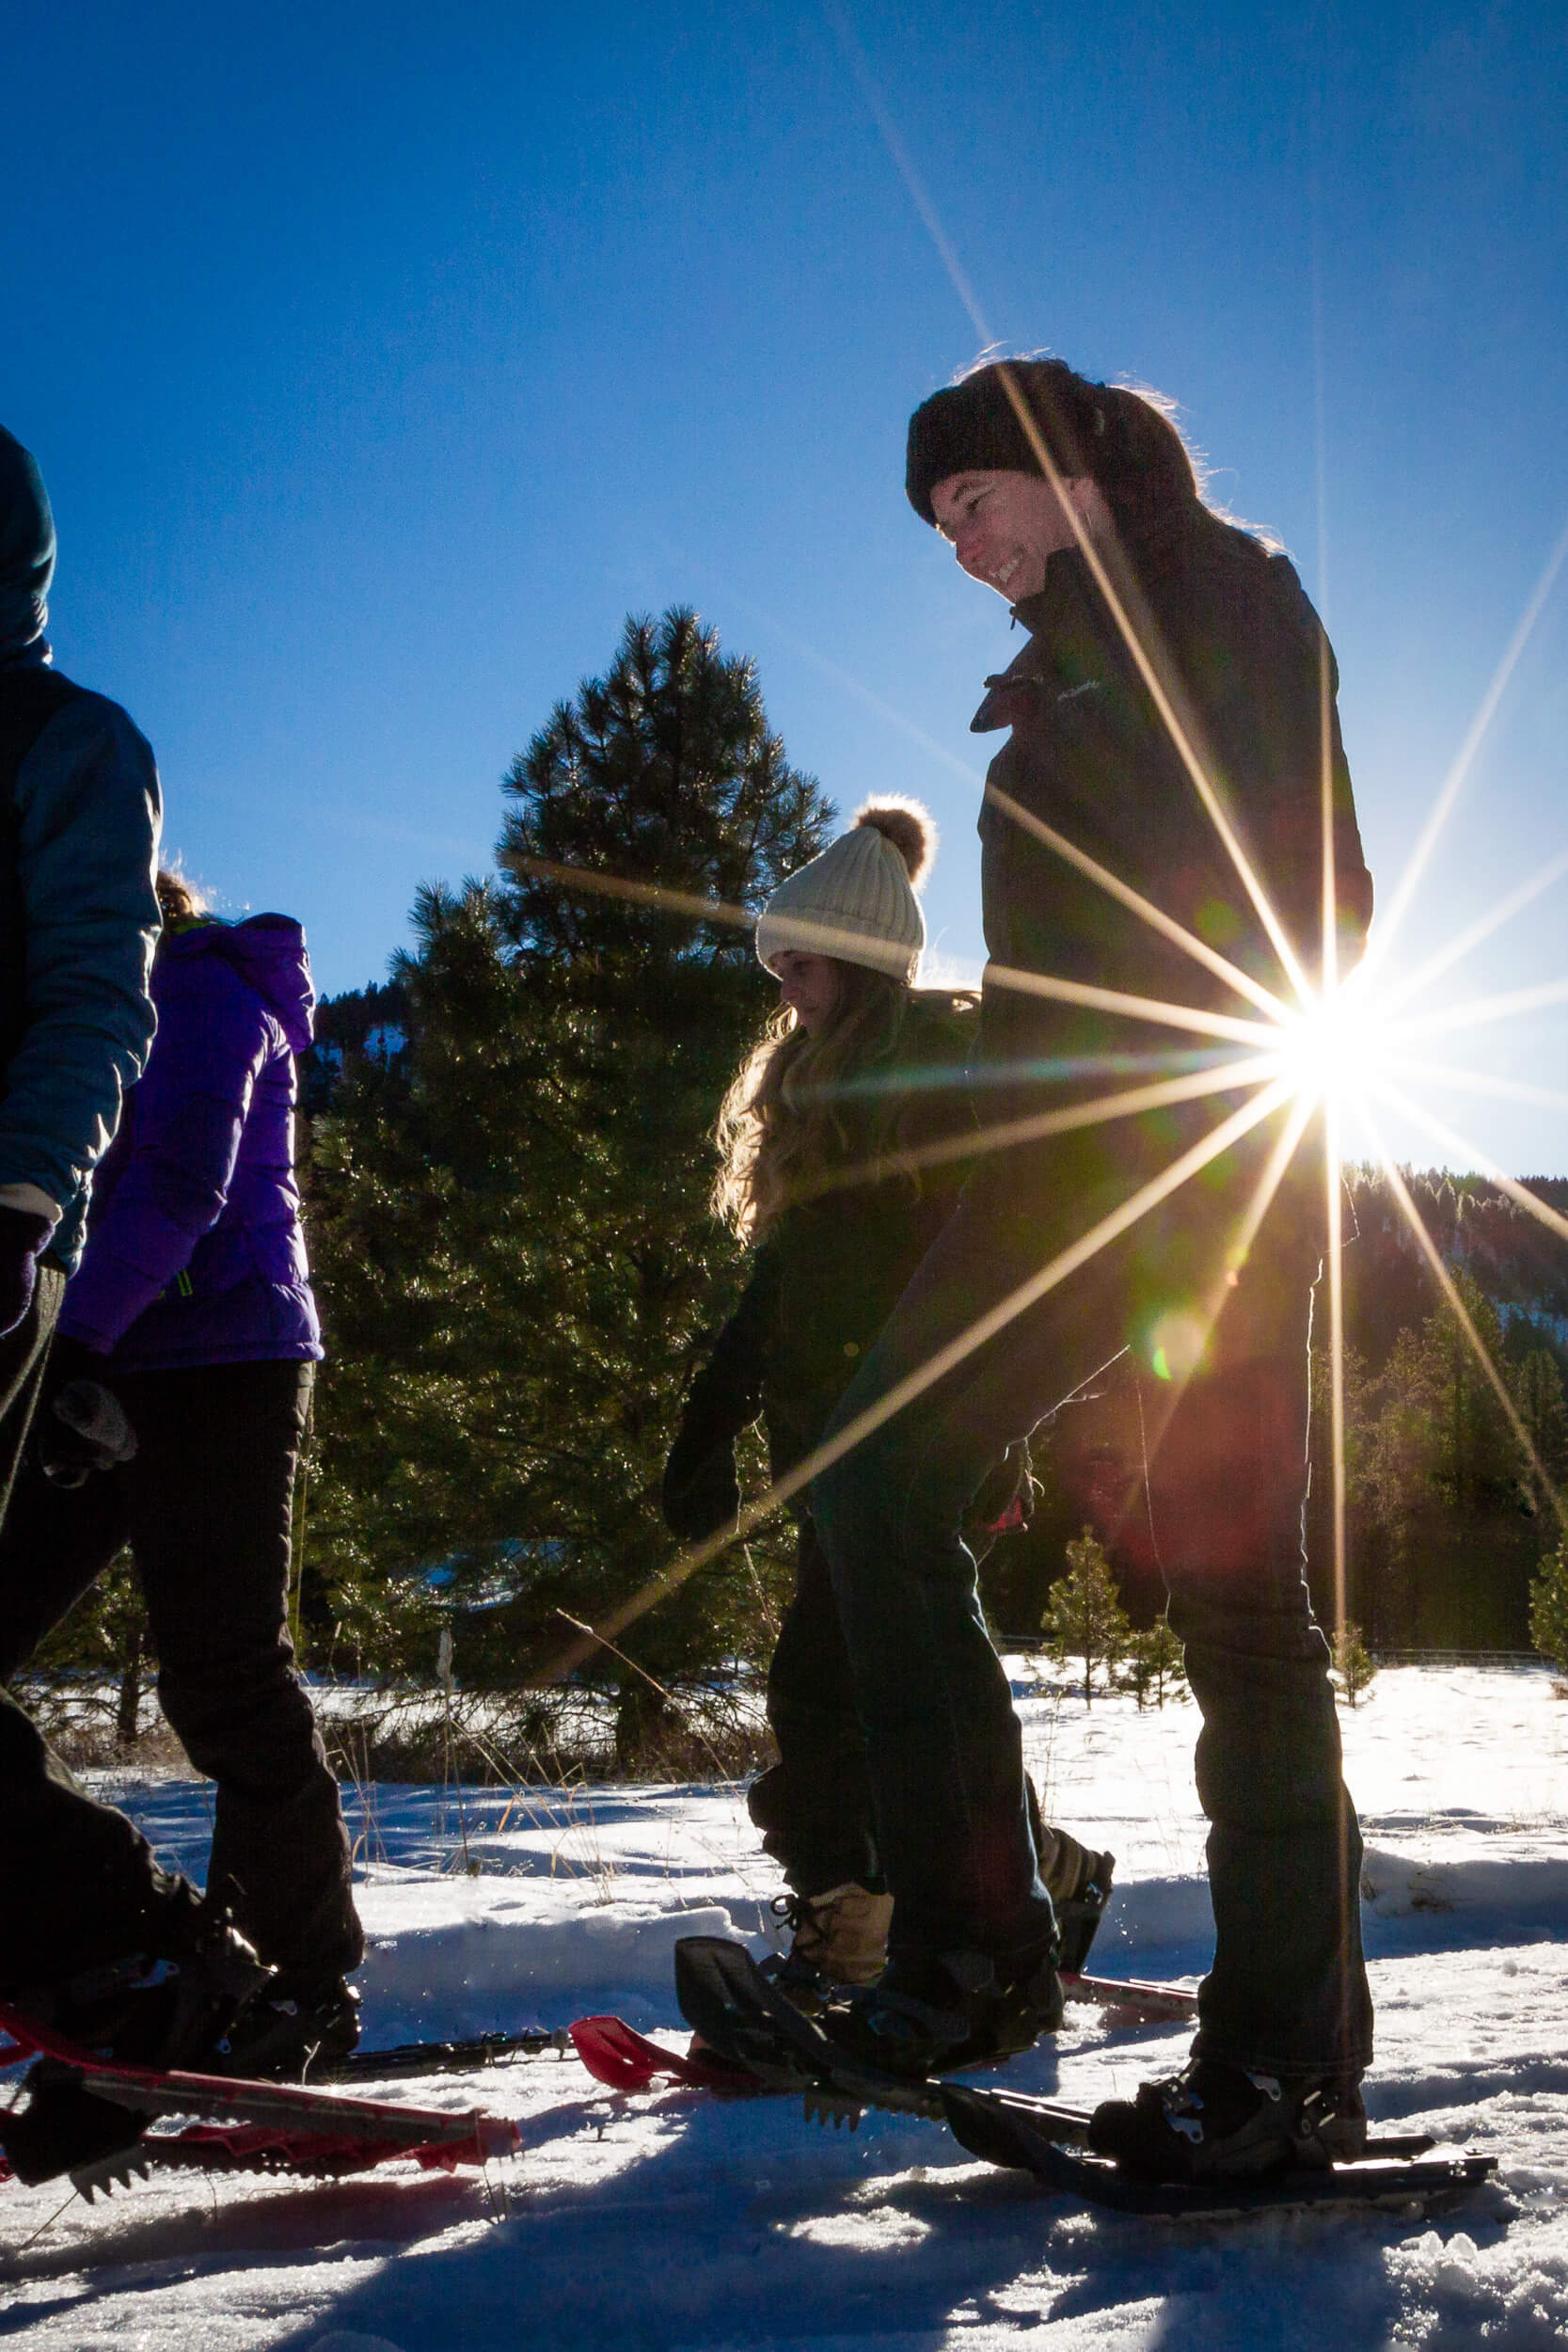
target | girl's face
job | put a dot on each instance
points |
(809, 984)
(1004, 528)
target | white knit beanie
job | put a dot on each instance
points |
(856, 902)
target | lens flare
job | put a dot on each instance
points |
(1335, 1049)
(1324, 1046)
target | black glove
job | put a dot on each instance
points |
(700, 1492)
(24, 1238)
(82, 1425)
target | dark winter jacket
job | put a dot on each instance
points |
(79, 817)
(1242, 650)
(829, 1271)
(194, 1253)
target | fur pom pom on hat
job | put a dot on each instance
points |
(856, 902)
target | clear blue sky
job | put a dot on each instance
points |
(379, 359)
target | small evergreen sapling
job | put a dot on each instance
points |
(1084, 1617)
(1353, 1662)
(1156, 1666)
(1548, 1607)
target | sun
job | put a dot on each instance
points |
(1337, 1050)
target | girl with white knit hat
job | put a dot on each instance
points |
(827, 1169)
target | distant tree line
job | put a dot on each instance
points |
(1446, 1522)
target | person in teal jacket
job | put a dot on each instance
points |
(80, 807)
(94, 1938)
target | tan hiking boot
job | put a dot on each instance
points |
(1079, 1885)
(839, 1937)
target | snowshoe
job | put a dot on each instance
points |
(160, 2009)
(1212, 2122)
(1401, 2172)
(615, 2053)
(233, 2125)
(738, 2014)
(934, 2012)
(291, 2029)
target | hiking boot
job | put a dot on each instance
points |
(933, 2011)
(837, 1938)
(1221, 2122)
(170, 2005)
(293, 2025)
(1079, 1885)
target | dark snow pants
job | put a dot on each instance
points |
(78, 1879)
(814, 1807)
(1226, 1479)
(205, 1507)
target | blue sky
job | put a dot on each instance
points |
(380, 360)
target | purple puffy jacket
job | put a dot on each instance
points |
(194, 1253)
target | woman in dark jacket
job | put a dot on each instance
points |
(844, 1148)
(1155, 835)
(192, 1313)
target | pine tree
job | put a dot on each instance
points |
(1352, 1662)
(1548, 1607)
(1438, 1485)
(1155, 1664)
(664, 773)
(511, 1224)
(1084, 1617)
(1479, 1465)
(1544, 1410)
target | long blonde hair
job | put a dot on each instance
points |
(179, 899)
(794, 1110)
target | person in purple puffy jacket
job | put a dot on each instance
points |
(171, 1420)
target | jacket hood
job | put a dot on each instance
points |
(268, 952)
(26, 548)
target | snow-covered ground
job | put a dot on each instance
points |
(672, 2221)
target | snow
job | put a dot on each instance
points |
(682, 2224)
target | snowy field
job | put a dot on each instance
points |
(687, 2224)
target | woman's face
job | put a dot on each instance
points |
(1004, 527)
(810, 984)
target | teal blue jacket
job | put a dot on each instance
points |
(80, 811)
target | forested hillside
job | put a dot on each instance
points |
(1445, 1522)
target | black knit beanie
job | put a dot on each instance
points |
(974, 426)
(26, 548)
(1127, 442)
